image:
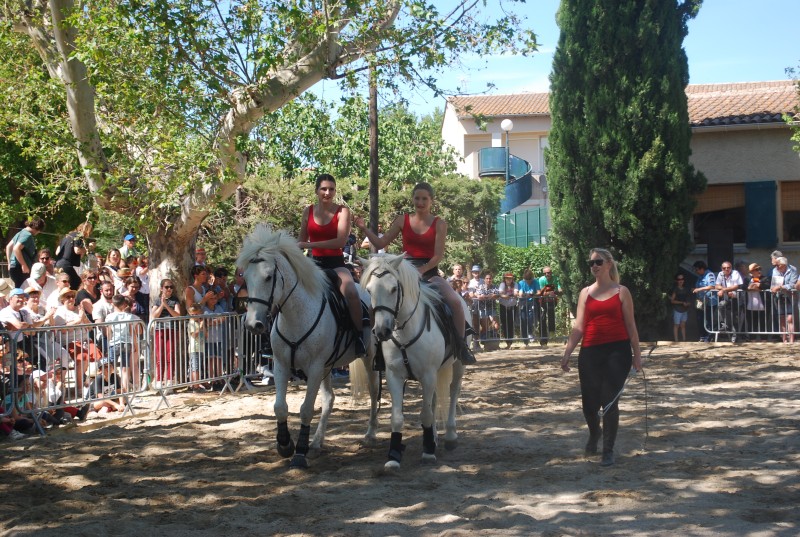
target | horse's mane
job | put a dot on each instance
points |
(264, 244)
(407, 275)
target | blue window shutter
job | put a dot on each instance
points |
(761, 215)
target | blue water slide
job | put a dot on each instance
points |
(519, 186)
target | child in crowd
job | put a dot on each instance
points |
(104, 385)
(196, 328)
(123, 342)
(214, 337)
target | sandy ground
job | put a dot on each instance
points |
(710, 447)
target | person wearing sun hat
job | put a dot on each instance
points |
(6, 285)
(758, 301)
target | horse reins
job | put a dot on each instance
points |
(397, 326)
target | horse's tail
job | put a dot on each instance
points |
(444, 377)
(359, 381)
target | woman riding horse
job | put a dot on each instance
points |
(325, 228)
(423, 236)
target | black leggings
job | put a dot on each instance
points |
(602, 370)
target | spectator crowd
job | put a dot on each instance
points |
(77, 286)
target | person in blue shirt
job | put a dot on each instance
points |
(527, 290)
(705, 292)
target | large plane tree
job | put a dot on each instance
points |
(160, 96)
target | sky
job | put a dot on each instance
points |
(728, 41)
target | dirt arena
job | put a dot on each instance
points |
(711, 448)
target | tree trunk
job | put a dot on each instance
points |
(170, 257)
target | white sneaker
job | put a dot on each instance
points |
(16, 435)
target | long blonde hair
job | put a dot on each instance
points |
(613, 273)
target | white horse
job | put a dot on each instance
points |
(306, 333)
(416, 346)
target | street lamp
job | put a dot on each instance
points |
(507, 125)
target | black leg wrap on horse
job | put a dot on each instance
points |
(378, 363)
(428, 441)
(285, 444)
(396, 447)
(302, 440)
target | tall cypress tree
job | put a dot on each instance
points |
(618, 165)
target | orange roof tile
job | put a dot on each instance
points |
(709, 104)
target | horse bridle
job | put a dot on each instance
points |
(268, 303)
(397, 326)
(398, 302)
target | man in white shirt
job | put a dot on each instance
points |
(62, 282)
(728, 284)
(41, 281)
(13, 317)
(100, 310)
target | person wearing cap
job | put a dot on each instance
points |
(103, 383)
(705, 294)
(475, 281)
(423, 236)
(70, 251)
(508, 306)
(128, 248)
(21, 251)
(756, 303)
(782, 285)
(14, 317)
(41, 281)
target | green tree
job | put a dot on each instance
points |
(310, 135)
(162, 95)
(618, 164)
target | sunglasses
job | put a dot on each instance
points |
(44, 258)
(593, 262)
(91, 277)
(169, 287)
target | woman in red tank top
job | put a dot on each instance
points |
(324, 229)
(424, 237)
(606, 323)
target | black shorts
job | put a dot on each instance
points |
(420, 261)
(330, 261)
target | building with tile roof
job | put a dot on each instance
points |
(740, 141)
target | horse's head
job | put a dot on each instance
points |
(273, 265)
(263, 283)
(382, 280)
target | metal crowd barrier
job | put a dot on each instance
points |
(750, 315)
(49, 371)
(194, 352)
(525, 320)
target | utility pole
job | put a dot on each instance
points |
(373, 153)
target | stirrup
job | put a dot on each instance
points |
(361, 350)
(466, 357)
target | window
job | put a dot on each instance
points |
(790, 209)
(720, 209)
